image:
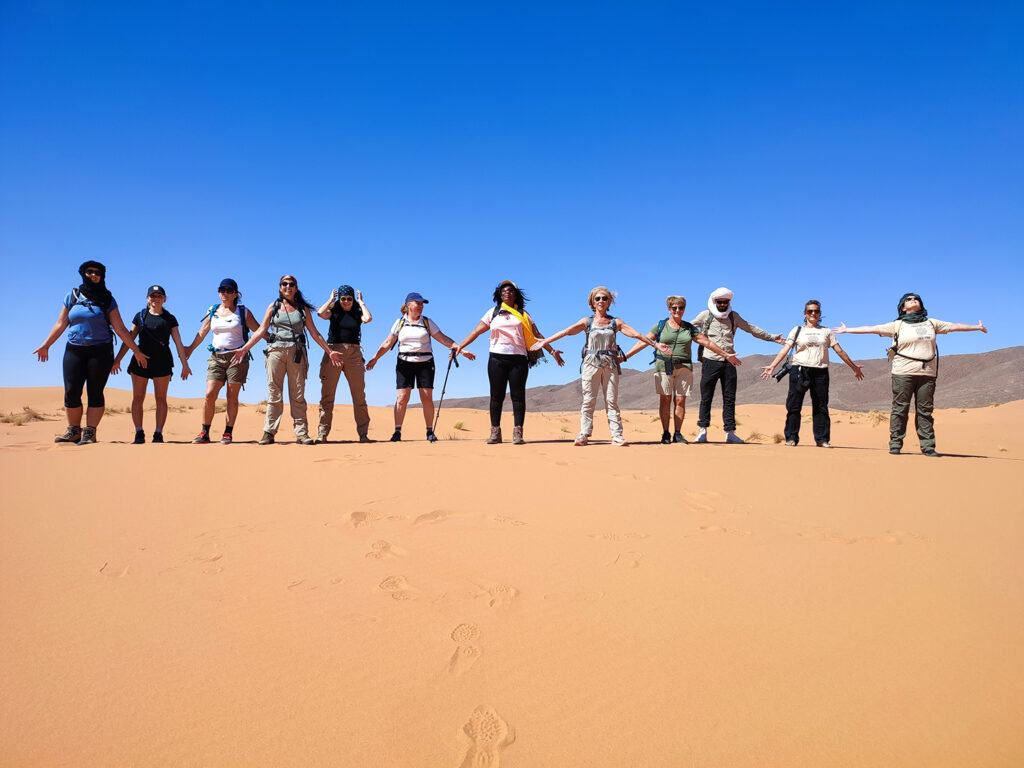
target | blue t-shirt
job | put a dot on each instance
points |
(88, 323)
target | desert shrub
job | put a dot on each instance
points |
(755, 437)
(778, 437)
(877, 417)
(26, 416)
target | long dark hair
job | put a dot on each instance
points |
(299, 301)
(520, 296)
(97, 293)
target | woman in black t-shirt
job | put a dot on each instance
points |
(347, 312)
(155, 328)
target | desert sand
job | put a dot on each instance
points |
(460, 604)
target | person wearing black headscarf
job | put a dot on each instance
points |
(91, 313)
(915, 366)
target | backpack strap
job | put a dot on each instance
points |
(893, 351)
(657, 355)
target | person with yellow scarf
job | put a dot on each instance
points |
(513, 332)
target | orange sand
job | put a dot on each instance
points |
(460, 604)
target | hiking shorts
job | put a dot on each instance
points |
(418, 375)
(219, 368)
(680, 383)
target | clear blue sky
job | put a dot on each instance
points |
(848, 152)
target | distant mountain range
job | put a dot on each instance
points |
(965, 381)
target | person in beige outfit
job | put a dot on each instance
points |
(347, 312)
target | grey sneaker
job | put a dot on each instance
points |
(732, 437)
(305, 440)
(495, 436)
(702, 436)
(791, 443)
(88, 436)
(73, 435)
(826, 444)
(517, 436)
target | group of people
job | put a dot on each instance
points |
(90, 315)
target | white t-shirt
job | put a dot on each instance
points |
(916, 340)
(227, 332)
(508, 337)
(414, 338)
(812, 346)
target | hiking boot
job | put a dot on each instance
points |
(678, 438)
(267, 439)
(517, 436)
(202, 437)
(732, 437)
(894, 451)
(431, 437)
(931, 452)
(305, 440)
(73, 435)
(619, 441)
(140, 437)
(226, 438)
(581, 440)
(495, 436)
(158, 437)
(365, 439)
(702, 436)
(321, 436)
(397, 436)
(88, 436)
(666, 438)
(791, 443)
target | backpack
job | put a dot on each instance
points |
(78, 298)
(301, 343)
(241, 312)
(891, 351)
(657, 338)
(613, 353)
(426, 325)
(707, 325)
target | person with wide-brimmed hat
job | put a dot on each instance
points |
(412, 333)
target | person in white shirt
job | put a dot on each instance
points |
(809, 371)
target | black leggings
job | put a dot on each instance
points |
(508, 371)
(88, 367)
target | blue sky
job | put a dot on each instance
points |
(846, 152)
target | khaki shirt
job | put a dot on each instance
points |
(722, 332)
(916, 340)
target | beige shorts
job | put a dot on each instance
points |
(219, 368)
(679, 383)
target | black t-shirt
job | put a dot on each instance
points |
(346, 325)
(155, 333)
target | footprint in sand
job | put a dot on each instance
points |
(398, 588)
(627, 560)
(509, 520)
(359, 518)
(489, 735)
(502, 595)
(630, 536)
(719, 529)
(466, 653)
(115, 571)
(436, 516)
(382, 549)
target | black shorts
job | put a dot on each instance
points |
(159, 365)
(419, 375)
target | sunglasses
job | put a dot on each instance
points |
(93, 273)
(508, 289)
(674, 307)
(601, 298)
(346, 298)
(161, 295)
(722, 303)
(225, 290)
(813, 311)
(289, 284)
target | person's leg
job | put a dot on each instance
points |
(589, 384)
(329, 376)
(74, 383)
(902, 390)
(97, 370)
(665, 411)
(427, 401)
(517, 374)
(139, 399)
(497, 377)
(355, 374)
(610, 387)
(210, 400)
(794, 404)
(277, 365)
(232, 408)
(924, 405)
(821, 421)
(728, 374)
(297, 372)
(160, 395)
(710, 373)
(401, 403)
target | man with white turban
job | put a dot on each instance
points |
(719, 323)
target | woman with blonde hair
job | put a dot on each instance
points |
(600, 368)
(155, 327)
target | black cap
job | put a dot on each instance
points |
(227, 282)
(156, 289)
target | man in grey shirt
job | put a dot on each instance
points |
(719, 323)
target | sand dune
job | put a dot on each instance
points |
(459, 604)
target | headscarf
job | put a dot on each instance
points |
(97, 293)
(911, 317)
(720, 293)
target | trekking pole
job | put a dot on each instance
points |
(437, 413)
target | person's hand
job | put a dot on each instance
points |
(538, 345)
(665, 349)
(334, 297)
(766, 372)
(469, 355)
(779, 339)
(238, 357)
(336, 358)
(734, 360)
(622, 356)
(841, 328)
(115, 368)
(185, 370)
(981, 327)
(557, 354)
(359, 296)
(141, 359)
(42, 353)
(370, 363)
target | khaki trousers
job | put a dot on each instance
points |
(281, 363)
(605, 380)
(354, 368)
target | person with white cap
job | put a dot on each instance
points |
(719, 323)
(415, 367)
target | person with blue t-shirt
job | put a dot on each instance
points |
(90, 312)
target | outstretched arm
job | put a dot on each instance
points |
(628, 330)
(481, 327)
(639, 345)
(382, 350)
(42, 352)
(707, 343)
(766, 371)
(964, 327)
(200, 335)
(325, 311)
(257, 335)
(455, 348)
(843, 328)
(572, 330)
(857, 370)
(315, 335)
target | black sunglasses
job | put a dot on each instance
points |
(813, 311)
(289, 284)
